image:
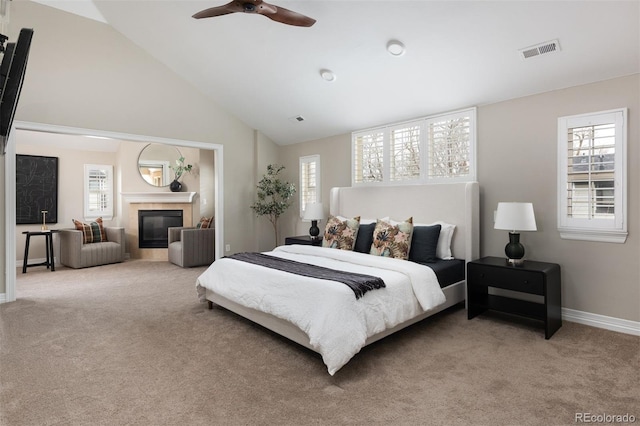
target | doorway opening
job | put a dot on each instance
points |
(10, 184)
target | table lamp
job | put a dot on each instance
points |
(314, 212)
(515, 217)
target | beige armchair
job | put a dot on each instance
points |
(191, 246)
(75, 254)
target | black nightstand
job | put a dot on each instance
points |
(303, 239)
(538, 278)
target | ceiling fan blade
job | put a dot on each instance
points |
(232, 7)
(276, 13)
(289, 17)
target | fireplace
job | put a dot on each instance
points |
(153, 227)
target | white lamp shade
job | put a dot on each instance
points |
(314, 211)
(515, 217)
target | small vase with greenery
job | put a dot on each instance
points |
(275, 196)
(179, 169)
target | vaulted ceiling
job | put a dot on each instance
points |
(458, 54)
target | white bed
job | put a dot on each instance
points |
(456, 203)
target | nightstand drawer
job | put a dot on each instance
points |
(508, 278)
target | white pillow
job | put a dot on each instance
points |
(443, 251)
(367, 221)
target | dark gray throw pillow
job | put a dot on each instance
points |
(424, 243)
(364, 238)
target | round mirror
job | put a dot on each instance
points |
(154, 162)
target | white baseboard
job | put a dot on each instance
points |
(602, 321)
(3, 298)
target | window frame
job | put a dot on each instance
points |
(315, 158)
(107, 213)
(423, 124)
(594, 229)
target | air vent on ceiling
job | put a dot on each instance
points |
(540, 49)
(296, 119)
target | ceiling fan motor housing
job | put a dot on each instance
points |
(249, 7)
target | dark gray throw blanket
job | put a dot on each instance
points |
(359, 283)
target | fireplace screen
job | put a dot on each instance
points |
(153, 227)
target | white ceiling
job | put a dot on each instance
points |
(458, 54)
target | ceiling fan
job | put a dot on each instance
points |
(276, 13)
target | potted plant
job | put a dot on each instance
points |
(274, 196)
(179, 169)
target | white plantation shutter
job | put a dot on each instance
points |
(368, 156)
(591, 171)
(430, 149)
(309, 181)
(449, 146)
(592, 176)
(405, 152)
(98, 193)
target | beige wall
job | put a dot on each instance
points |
(517, 162)
(84, 74)
(335, 165)
(266, 153)
(206, 173)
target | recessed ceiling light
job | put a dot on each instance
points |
(328, 75)
(395, 48)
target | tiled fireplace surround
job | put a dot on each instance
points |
(154, 201)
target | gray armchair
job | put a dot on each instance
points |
(75, 254)
(191, 246)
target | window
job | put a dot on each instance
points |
(405, 152)
(430, 149)
(309, 181)
(592, 176)
(451, 144)
(368, 157)
(98, 191)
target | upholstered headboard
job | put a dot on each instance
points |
(455, 203)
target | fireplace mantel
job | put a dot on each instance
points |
(158, 197)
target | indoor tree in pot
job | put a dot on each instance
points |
(179, 169)
(274, 196)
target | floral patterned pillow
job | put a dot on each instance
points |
(341, 232)
(392, 240)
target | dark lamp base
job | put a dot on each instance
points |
(314, 231)
(514, 250)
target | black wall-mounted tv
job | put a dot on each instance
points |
(12, 70)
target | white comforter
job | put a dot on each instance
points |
(336, 322)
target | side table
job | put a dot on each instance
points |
(304, 240)
(539, 278)
(48, 237)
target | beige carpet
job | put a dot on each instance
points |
(129, 344)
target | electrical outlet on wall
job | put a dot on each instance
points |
(227, 248)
